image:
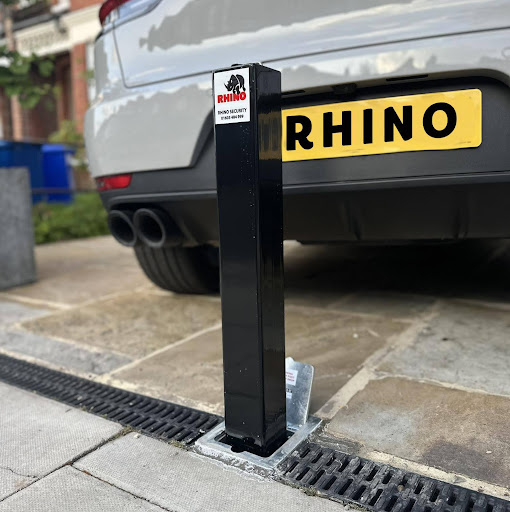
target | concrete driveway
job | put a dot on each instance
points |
(411, 344)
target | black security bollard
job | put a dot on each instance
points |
(247, 104)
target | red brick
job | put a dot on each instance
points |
(79, 84)
(63, 82)
(34, 124)
(80, 4)
(19, 120)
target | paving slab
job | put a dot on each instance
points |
(82, 270)
(190, 374)
(13, 312)
(456, 431)
(11, 482)
(320, 275)
(185, 482)
(62, 354)
(345, 277)
(70, 490)
(464, 345)
(135, 324)
(386, 304)
(39, 435)
(323, 275)
(336, 344)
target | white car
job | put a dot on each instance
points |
(396, 121)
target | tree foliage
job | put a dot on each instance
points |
(18, 73)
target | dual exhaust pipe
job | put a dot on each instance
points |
(152, 227)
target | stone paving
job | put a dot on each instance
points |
(56, 458)
(40, 436)
(410, 346)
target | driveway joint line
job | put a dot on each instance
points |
(345, 312)
(368, 371)
(22, 329)
(161, 350)
(70, 462)
(58, 306)
(379, 375)
(93, 377)
(92, 475)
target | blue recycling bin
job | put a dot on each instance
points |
(24, 154)
(58, 173)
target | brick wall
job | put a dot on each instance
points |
(80, 4)
(63, 81)
(5, 112)
(38, 123)
(34, 124)
(79, 84)
(71, 103)
(20, 120)
(42, 120)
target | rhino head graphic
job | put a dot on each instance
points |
(236, 84)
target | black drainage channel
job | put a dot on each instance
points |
(379, 487)
(148, 415)
(324, 471)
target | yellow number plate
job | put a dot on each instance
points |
(421, 122)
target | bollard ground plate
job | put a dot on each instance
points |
(210, 444)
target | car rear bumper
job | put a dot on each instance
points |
(455, 208)
(411, 209)
(426, 195)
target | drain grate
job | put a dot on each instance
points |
(149, 415)
(378, 486)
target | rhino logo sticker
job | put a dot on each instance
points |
(232, 96)
(236, 84)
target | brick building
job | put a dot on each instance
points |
(65, 29)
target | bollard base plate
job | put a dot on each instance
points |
(211, 445)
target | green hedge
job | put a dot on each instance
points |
(85, 217)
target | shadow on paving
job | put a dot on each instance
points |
(471, 270)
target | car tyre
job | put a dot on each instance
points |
(181, 269)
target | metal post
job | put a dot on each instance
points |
(247, 101)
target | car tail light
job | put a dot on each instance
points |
(107, 8)
(113, 182)
(124, 9)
